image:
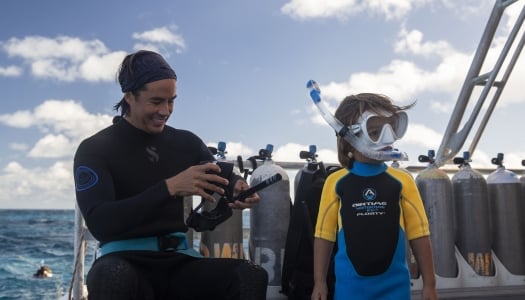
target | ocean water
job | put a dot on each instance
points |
(29, 238)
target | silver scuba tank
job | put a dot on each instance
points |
(507, 216)
(473, 237)
(226, 240)
(522, 181)
(269, 219)
(435, 188)
(310, 157)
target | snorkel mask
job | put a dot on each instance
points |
(377, 131)
(208, 220)
(373, 136)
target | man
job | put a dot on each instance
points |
(130, 180)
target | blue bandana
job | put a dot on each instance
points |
(146, 67)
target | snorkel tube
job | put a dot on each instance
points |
(349, 133)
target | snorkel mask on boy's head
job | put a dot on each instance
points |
(379, 131)
(373, 136)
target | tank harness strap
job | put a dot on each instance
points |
(172, 242)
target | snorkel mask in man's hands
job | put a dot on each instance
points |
(208, 220)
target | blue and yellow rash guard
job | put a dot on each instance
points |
(370, 210)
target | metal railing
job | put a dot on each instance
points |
(454, 138)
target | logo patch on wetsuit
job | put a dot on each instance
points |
(369, 194)
(85, 178)
(369, 207)
(153, 156)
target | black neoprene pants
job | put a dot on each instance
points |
(132, 276)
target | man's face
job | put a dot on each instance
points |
(151, 108)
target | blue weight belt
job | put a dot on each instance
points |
(172, 242)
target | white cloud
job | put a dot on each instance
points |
(147, 46)
(61, 47)
(233, 149)
(237, 148)
(11, 71)
(69, 59)
(19, 119)
(101, 67)
(328, 155)
(405, 80)
(342, 9)
(54, 69)
(53, 146)
(466, 9)
(70, 118)
(411, 42)
(18, 146)
(289, 152)
(65, 58)
(513, 159)
(415, 134)
(65, 123)
(43, 187)
(158, 38)
(441, 107)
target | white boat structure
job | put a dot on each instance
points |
(466, 282)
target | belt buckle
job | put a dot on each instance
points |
(168, 243)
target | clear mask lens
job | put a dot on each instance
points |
(381, 129)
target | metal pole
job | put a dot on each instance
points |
(501, 84)
(453, 139)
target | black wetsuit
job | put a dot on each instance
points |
(120, 177)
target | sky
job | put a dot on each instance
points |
(242, 68)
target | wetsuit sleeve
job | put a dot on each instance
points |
(106, 218)
(327, 218)
(415, 218)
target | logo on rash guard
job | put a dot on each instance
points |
(369, 194)
(153, 156)
(85, 178)
(370, 206)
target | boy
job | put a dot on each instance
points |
(370, 208)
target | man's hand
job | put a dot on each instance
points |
(198, 180)
(240, 186)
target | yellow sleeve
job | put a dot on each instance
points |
(328, 217)
(414, 218)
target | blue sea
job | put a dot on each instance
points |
(29, 238)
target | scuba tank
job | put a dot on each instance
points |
(226, 240)
(507, 217)
(411, 259)
(269, 219)
(522, 181)
(297, 275)
(436, 191)
(472, 217)
(310, 166)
